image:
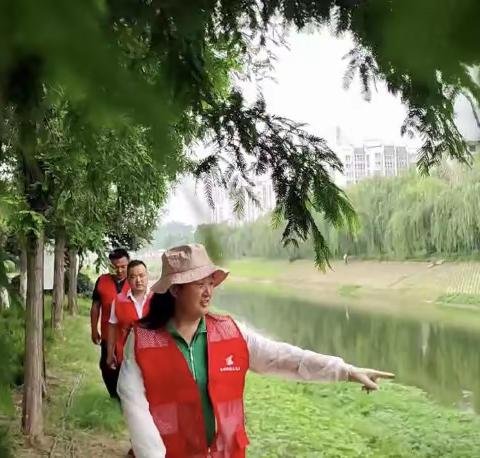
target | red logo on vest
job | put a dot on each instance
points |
(230, 365)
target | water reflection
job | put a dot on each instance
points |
(442, 360)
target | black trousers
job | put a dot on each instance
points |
(110, 376)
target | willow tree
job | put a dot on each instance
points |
(410, 216)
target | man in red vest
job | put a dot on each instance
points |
(126, 310)
(106, 289)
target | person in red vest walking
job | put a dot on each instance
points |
(182, 380)
(127, 308)
(106, 289)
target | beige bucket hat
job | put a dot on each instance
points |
(185, 264)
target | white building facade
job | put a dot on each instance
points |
(264, 193)
(373, 158)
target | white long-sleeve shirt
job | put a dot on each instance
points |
(266, 357)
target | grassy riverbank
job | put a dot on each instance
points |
(453, 284)
(284, 419)
(288, 419)
(375, 274)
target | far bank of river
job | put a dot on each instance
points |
(414, 289)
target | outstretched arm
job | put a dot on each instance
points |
(278, 358)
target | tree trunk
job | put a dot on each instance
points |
(72, 281)
(81, 260)
(58, 279)
(32, 419)
(23, 274)
(4, 299)
(31, 175)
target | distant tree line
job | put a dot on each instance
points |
(409, 216)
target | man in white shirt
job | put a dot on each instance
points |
(126, 310)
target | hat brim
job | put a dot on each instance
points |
(181, 278)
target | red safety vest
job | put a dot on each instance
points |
(107, 290)
(126, 313)
(174, 398)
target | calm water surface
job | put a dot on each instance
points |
(441, 359)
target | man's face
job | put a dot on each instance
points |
(138, 279)
(120, 268)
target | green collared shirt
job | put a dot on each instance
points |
(196, 357)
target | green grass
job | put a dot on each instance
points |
(256, 268)
(284, 419)
(6, 445)
(287, 419)
(93, 410)
(460, 299)
(12, 325)
(74, 359)
(348, 290)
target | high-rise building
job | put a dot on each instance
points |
(223, 208)
(264, 193)
(373, 158)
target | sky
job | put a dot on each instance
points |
(308, 88)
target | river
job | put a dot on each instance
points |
(440, 358)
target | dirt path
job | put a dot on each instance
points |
(73, 374)
(62, 440)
